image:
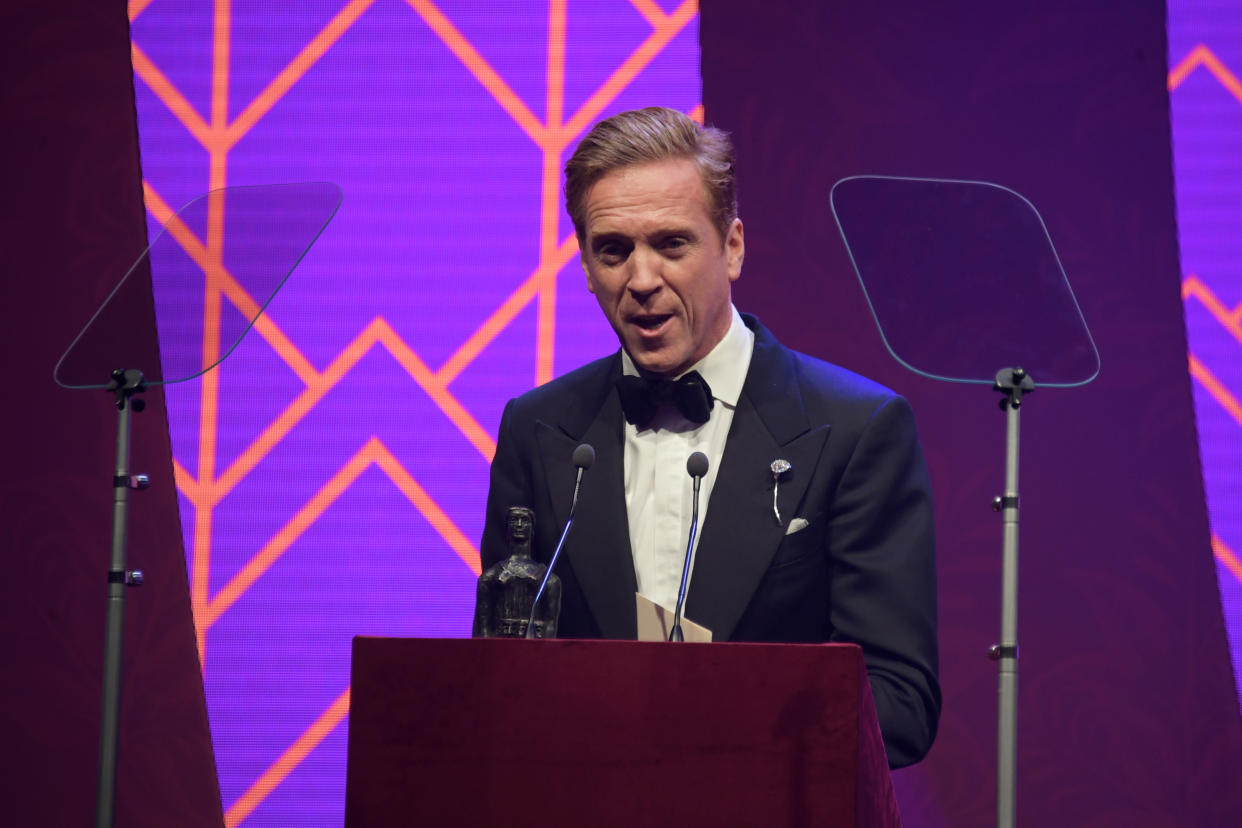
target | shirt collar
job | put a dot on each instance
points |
(724, 367)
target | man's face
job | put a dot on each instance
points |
(655, 261)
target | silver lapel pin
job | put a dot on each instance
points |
(779, 467)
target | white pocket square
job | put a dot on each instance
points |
(796, 525)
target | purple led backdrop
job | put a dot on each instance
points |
(333, 471)
(1205, 60)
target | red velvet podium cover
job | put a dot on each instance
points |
(593, 733)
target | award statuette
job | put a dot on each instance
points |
(507, 589)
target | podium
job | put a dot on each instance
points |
(548, 733)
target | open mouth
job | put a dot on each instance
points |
(651, 322)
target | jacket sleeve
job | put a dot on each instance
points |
(883, 584)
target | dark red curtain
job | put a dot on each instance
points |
(1127, 711)
(72, 223)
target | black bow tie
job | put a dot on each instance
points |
(641, 397)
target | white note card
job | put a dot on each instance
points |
(655, 622)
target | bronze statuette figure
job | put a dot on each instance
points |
(507, 589)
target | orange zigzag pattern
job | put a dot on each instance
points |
(1193, 287)
(218, 136)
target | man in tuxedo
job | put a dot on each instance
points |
(815, 517)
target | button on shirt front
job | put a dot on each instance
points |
(658, 490)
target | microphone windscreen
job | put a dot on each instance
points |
(584, 456)
(696, 464)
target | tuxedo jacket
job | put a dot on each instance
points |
(859, 565)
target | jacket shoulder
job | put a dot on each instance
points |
(569, 395)
(829, 384)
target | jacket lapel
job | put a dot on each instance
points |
(741, 533)
(598, 545)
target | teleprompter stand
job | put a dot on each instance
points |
(961, 277)
(125, 385)
(1014, 384)
(269, 230)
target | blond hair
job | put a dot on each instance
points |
(642, 136)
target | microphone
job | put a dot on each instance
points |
(696, 467)
(583, 457)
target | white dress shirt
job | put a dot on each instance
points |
(658, 490)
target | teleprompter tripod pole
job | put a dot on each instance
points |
(1013, 383)
(125, 384)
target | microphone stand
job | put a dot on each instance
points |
(583, 458)
(560, 544)
(675, 634)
